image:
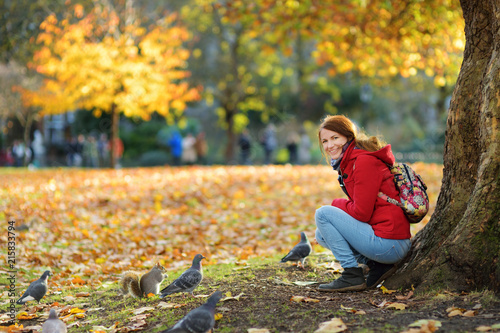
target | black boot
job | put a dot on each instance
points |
(352, 279)
(378, 273)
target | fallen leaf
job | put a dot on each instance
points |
(408, 296)
(421, 322)
(75, 323)
(483, 328)
(469, 313)
(218, 316)
(297, 299)
(454, 313)
(76, 310)
(304, 283)
(142, 310)
(139, 317)
(25, 316)
(229, 297)
(397, 306)
(258, 330)
(332, 326)
(78, 280)
(241, 268)
(453, 308)
(281, 282)
(83, 294)
(386, 291)
(165, 305)
(347, 309)
(311, 300)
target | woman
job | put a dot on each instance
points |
(363, 228)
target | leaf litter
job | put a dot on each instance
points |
(99, 223)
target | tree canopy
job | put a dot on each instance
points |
(97, 62)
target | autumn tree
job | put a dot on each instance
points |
(459, 247)
(241, 70)
(13, 78)
(102, 62)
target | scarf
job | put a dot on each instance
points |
(335, 163)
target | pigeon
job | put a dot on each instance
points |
(187, 281)
(300, 251)
(53, 324)
(199, 320)
(36, 290)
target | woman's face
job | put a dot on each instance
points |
(332, 142)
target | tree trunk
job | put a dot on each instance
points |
(26, 137)
(229, 153)
(115, 120)
(460, 248)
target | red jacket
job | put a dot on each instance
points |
(365, 174)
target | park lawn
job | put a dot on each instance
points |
(89, 226)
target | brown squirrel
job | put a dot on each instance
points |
(149, 283)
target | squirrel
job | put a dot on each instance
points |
(149, 283)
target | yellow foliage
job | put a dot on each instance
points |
(89, 67)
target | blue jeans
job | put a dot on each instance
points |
(353, 242)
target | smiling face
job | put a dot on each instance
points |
(332, 142)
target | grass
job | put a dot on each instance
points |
(268, 288)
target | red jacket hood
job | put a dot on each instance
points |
(384, 154)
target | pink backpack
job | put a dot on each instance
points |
(412, 192)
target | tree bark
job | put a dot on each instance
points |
(115, 120)
(459, 248)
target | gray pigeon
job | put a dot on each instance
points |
(36, 290)
(53, 324)
(199, 320)
(300, 251)
(187, 281)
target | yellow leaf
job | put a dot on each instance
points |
(455, 313)
(332, 326)
(165, 305)
(229, 297)
(427, 322)
(397, 306)
(100, 261)
(297, 299)
(218, 316)
(469, 313)
(311, 300)
(386, 291)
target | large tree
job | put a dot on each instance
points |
(104, 62)
(460, 246)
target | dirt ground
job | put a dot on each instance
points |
(268, 302)
(366, 311)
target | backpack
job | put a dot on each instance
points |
(412, 192)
